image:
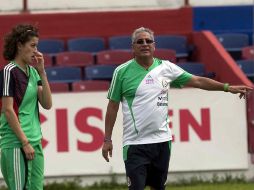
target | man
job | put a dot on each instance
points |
(146, 136)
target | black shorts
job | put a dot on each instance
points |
(147, 164)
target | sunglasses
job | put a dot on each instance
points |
(143, 41)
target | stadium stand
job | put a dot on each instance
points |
(113, 56)
(90, 85)
(51, 46)
(233, 43)
(248, 68)
(63, 74)
(248, 52)
(59, 87)
(165, 54)
(193, 68)
(229, 19)
(120, 42)
(73, 58)
(91, 44)
(48, 60)
(175, 42)
(99, 72)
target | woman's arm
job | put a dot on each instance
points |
(44, 93)
(11, 117)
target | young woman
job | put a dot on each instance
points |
(22, 86)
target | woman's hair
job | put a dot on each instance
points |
(21, 33)
(139, 30)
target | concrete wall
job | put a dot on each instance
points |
(98, 5)
(224, 19)
(219, 2)
(56, 5)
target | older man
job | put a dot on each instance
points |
(142, 86)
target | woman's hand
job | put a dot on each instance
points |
(39, 62)
(29, 151)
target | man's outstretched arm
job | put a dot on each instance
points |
(213, 85)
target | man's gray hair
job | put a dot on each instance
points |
(139, 30)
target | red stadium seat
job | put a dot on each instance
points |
(59, 87)
(82, 86)
(74, 59)
(248, 52)
(48, 61)
(165, 54)
(113, 56)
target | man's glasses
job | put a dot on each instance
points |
(143, 41)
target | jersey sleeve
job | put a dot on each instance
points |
(115, 89)
(7, 83)
(180, 81)
(178, 76)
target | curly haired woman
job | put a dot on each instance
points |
(22, 86)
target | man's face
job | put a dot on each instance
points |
(143, 45)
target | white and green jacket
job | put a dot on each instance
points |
(144, 97)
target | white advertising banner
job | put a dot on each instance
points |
(210, 133)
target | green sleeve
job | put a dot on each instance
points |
(180, 81)
(115, 90)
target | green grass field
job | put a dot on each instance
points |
(200, 186)
(197, 187)
(203, 186)
(215, 187)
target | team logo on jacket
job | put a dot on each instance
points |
(165, 83)
(149, 80)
